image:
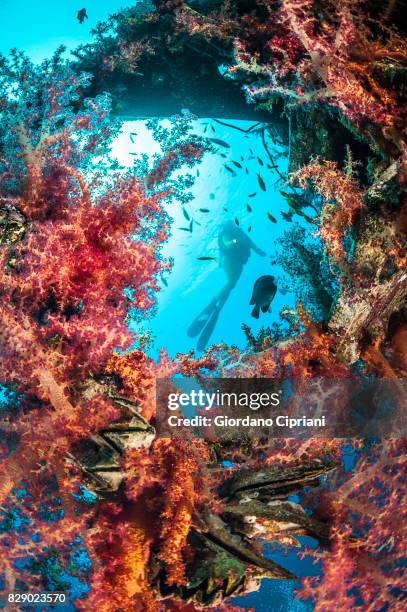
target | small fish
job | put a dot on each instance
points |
(198, 173)
(237, 164)
(261, 182)
(132, 134)
(287, 216)
(164, 281)
(185, 229)
(261, 162)
(212, 128)
(81, 15)
(211, 196)
(204, 210)
(246, 170)
(186, 215)
(251, 195)
(272, 219)
(197, 223)
(221, 143)
(241, 158)
(191, 226)
(296, 203)
(249, 208)
(225, 209)
(206, 258)
(236, 221)
(251, 151)
(223, 155)
(249, 229)
(230, 170)
(263, 294)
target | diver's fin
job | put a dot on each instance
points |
(201, 320)
(265, 307)
(196, 326)
(256, 311)
(207, 331)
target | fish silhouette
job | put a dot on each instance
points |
(264, 291)
(82, 15)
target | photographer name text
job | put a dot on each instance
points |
(222, 420)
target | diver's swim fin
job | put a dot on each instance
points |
(201, 320)
(266, 307)
(208, 329)
(256, 311)
(197, 325)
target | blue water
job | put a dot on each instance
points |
(41, 27)
(192, 283)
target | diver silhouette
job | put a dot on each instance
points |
(234, 249)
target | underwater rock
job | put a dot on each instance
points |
(219, 532)
(224, 547)
(223, 553)
(314, 133)
(367, 313)
(12, 225)
(277, 519)
(274, 481)
(377, 284)
(212, 576)
(99, 457)
(385, 188)
(157, 68)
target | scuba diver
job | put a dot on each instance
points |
(234, 250)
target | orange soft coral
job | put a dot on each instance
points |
(176, 468)
(342, 199)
